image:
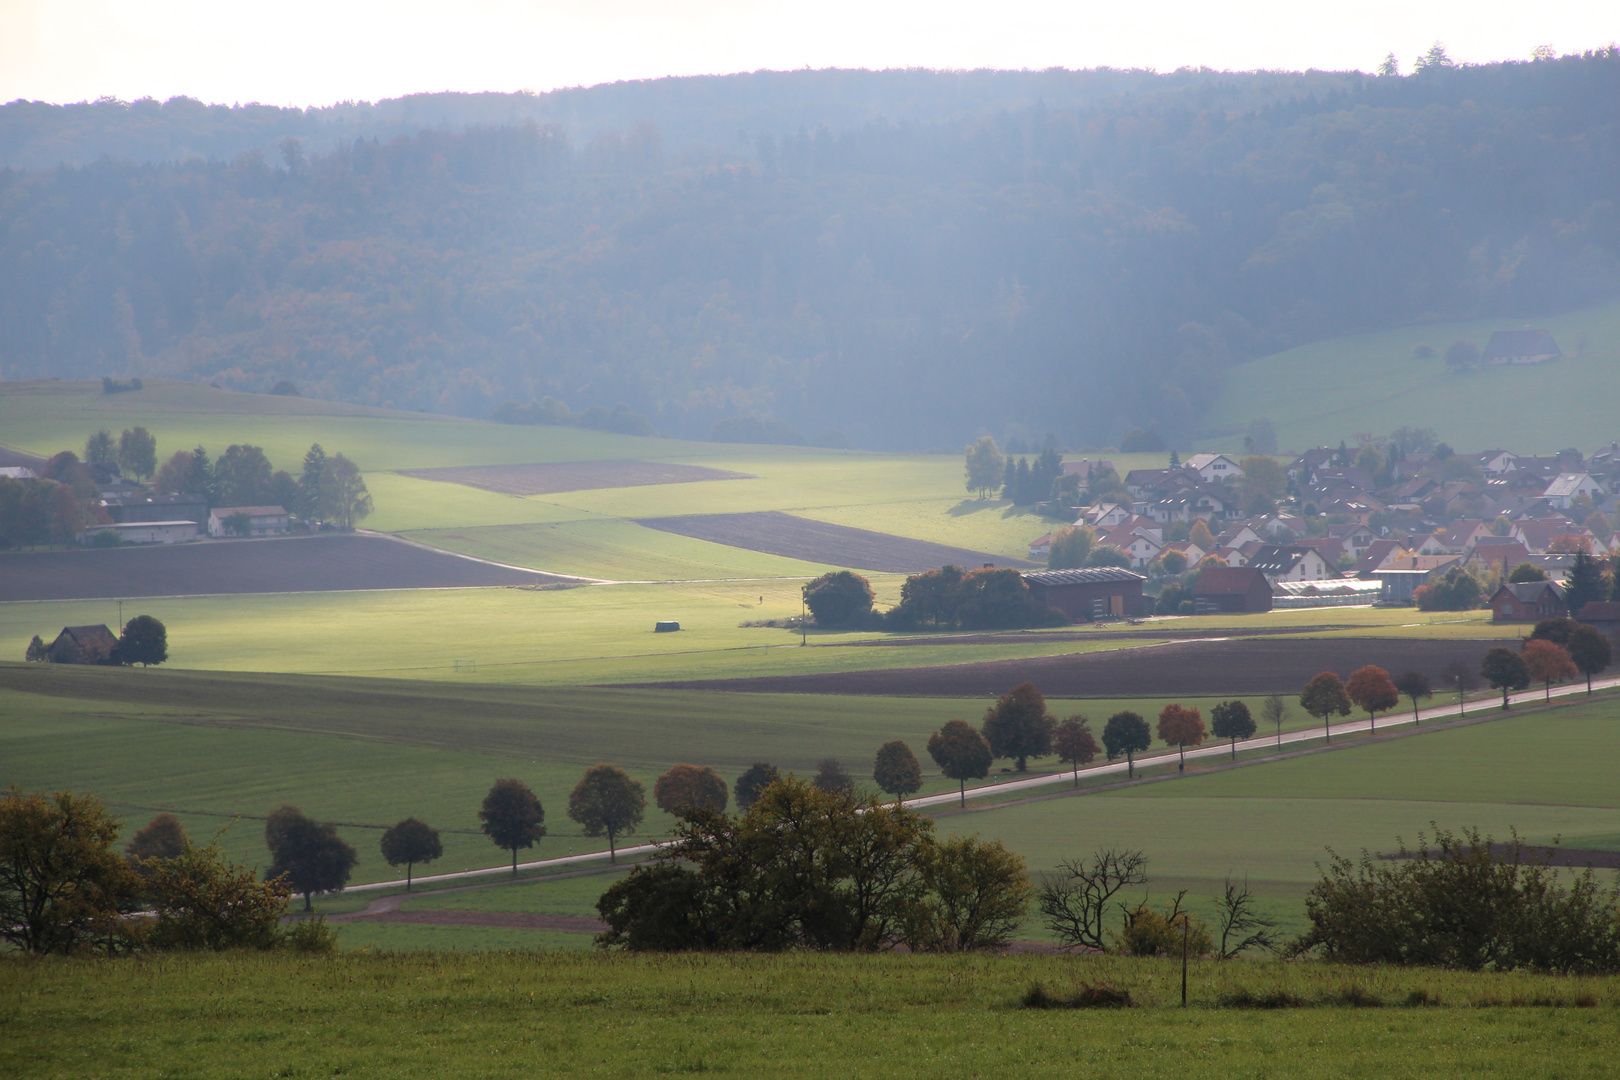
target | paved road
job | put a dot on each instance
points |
(1398, 718)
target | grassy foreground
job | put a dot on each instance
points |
(497, 1015)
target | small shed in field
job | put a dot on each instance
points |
(1092, 592)
(1231, 588)
(83, 645)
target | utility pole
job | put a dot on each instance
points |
(120, 616)
(802, 631)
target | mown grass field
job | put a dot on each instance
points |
(1321, 393)
(571, 1015)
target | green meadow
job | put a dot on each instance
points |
(1328, 391)
(568, 1014)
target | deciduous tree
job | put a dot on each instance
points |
(1590, 651)
(1181, 728)
(513, 818)
(839, 599)
(1547, 663)
(1505, 670)
(975, 896)
(1275, 710)
(1126, 733)
(204, 901)
(137, 453)
(99, 449)
(1415, 685)
(607, 801)
(686, 787)
(985, 466)
(760, 775)
(896, 771)
(1071, 547)
(1370, 688)
(309, 854)
(144, 641)
(409, 842)
(1074, 744)
(62, 883)
(832, 776)
(1076, 900)
(1323, 696)
(1017, 725)
(1231, 720)
(163, 838)
(344, 498)
(961, 753)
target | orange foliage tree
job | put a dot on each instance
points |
(1181, 728)
(1548, 662)
(1371, 689)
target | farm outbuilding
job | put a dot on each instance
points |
(1231, 588)
(83, 645)
(1529, 601)
(1520, 347)
(1093, 592)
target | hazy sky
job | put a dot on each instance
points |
(304, 52)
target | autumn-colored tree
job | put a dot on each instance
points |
(690, 787)
(1126, 733)
(1548, 663)
(409, 842)
(1414, 684)
(1371, 689)
(961, 753)
(1200, 535)
(513, 818)
(1323, 696)
(1590, 650)
(163, 838)
(1181, 728)
(1505, 670)
(607, 801)
(896, 770)
(1017, 725)
(1231, 720)
(62, 884)
(1074, 744)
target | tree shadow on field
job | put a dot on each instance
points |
(973, 506)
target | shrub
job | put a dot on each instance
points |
(1145, 932)
(1462, 904)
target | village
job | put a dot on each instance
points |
(1389, 523)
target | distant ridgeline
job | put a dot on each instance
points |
(901, 257)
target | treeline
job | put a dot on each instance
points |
(1080, 268)
(949, 598)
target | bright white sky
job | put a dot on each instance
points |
(315, 52)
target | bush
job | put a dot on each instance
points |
(1458, 590)
(1145, 932)
(1463, 904)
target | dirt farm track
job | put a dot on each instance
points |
(292, 564)
(1181, 668)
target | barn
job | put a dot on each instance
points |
(1094, 592)
(1520, 347)
(83, 645)
(1231, 588)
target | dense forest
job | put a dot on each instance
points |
(899, 258)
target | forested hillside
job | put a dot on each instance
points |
(938, 260)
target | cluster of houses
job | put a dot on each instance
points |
(1366, 539)
(136, 516)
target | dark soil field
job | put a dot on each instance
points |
(572, 476)
(815, 541)
(294, 564)
(10, 458)
(1249, 666)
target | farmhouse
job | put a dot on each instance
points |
(1529, 601)
(83, 645)
(261, 521)
(1231, 588)
(138, 507)
(1520, 347)
(1091, 593)
(144, 532)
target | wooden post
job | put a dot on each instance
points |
(1186, 929)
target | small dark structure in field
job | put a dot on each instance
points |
(1231, 588)
(1520, 347)
(83, 645)
(666, 627)
(1528, 601)
(1093, 592)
